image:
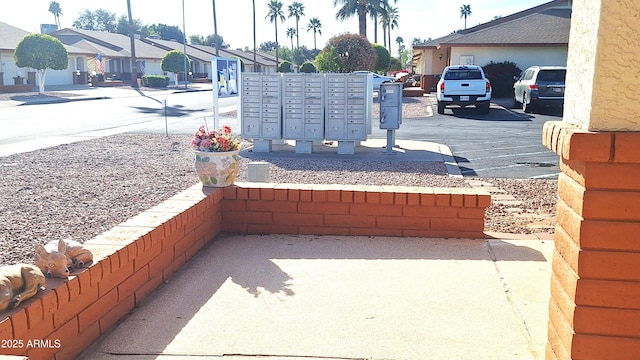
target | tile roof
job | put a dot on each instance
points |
(10, 36)
(546, 24)
(112, 45)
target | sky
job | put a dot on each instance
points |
(417, 18)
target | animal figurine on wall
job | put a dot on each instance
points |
(59, 258)
(18, 283)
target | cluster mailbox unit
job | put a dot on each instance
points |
(306, 108)
(261, 109)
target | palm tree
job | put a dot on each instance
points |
(54, 8)
(316, 26)
(291, 32)
(399, 41)
(374, 13)
(354, 7)
(360, 8)
(275, 13)
(392, 22)
(296, 9)
(465, 10)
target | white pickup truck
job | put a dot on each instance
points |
(463, 85)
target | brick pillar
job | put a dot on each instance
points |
(595, 286)
(594, 312)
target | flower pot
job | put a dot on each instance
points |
(217, 169)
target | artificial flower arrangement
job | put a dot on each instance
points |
(215, 141)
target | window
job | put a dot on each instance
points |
(463, 74)
(552, 75)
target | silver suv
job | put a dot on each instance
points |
(540, 86)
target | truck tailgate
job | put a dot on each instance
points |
(464, 87)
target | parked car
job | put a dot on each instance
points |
(463, 85)
(540, 86)
(377, 78)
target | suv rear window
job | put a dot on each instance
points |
(463, 74)
(552, 75)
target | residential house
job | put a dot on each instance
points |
(9, 38)
(109, 54)
(536, 36)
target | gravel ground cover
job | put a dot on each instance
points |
(80, 190)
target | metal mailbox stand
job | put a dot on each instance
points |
(390, 96)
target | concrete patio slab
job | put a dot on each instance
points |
(333, 297)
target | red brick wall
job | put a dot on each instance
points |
(354, 210)
(130, 261)
(595, 285)
(134, 258)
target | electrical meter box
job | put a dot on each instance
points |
(390, 96)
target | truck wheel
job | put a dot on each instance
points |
(526, 105)
(484, 107)
(516, 104)
(440, 107)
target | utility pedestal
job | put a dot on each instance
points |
(390, 97)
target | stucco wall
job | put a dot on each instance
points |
(604, 56)
(522, 56)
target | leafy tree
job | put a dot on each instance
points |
(383, 59)
(465, 10)
(41, 52)
(296, 10)
(167, 32)
(268, 46)
(85, 20)
(173, 61)
(347, 53)
(56, 10)
(210, 40)
(275, 13)
(99, 20)
(416, 41)
(327, 60)
(316, 26)
(395, 64)
(307, 67)
(122, 27)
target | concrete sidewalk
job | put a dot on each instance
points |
(333, 297)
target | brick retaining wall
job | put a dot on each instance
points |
(134, 258)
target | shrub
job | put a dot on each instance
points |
(155, 81)
(384, 58)
(285, 66)
(501, 77)
(308, 67)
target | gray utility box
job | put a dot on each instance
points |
(349, 109)
(303, 109)
(261, 111)
(390, 97)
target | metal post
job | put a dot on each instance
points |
(390, 141)
(184, 46)
(255, 66)
(215, 28)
